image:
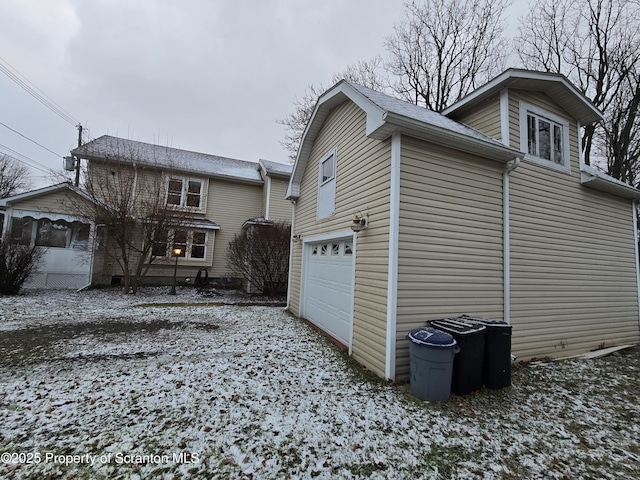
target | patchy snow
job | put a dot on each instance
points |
(102, 385)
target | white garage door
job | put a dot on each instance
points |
(328, 289)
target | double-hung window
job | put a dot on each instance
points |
(544, 137)
(185, 192)
(192, 244)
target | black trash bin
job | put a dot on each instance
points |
(431, 355)
(467, 367)
(496, 370)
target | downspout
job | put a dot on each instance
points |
(293, 230)
(268, 199)
(392, 278)
(634, 204)
(506, 241)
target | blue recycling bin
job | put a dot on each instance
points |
(431, 355)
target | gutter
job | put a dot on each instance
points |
(506, 241)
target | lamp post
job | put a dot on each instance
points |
(176, 253)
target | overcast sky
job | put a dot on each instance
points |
(206, 75)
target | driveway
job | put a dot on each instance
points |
(102, 385)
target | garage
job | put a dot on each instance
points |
(328, 287)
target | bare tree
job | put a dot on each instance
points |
(14, 177)
(365, 73)
(128, 204)
(260, 253)
(443, 49)
(596, 44)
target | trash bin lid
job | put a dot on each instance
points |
(457, 327)
(484, 321)
(431, 337)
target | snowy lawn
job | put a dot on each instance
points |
(101, 385)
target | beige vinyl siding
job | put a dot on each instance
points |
(64, 201)
(485, 118)
(362, 184)
(573, 275)
(450, 258)
(230, 205)
(279, 208)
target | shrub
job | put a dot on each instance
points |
(261, 255)
(16, 264)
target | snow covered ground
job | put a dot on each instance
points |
(101, 385)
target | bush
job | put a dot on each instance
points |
(16, 264)
(261, 255)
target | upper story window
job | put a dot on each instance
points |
(327, 185)
(544, 137)
(185, 192)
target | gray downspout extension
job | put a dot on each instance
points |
(506, 239)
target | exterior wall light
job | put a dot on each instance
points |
(359, 223)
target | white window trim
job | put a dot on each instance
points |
(526, 108)
(184, 193)
(326, 184)
(187, 253)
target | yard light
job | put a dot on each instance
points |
(176, 253)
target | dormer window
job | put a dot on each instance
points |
(185, 192)
(544, 137)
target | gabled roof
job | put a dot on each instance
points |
(275, 169)
(555, 85)
(129, 151)
(385, 115)
(44, 191)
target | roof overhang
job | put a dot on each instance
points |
(555, 85)
(7, 201)
(593, 178)
(380, 125)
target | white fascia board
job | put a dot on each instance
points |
(504, 79)
(591, 177)
(339, 93)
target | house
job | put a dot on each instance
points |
(48, 217)
(402, 215)
(216, 194)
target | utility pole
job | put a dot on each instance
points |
(77, 182)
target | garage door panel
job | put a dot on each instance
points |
(329, 288)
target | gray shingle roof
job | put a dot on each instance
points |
(114, 148)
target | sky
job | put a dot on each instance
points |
(201, 75)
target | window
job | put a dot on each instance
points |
(544, 137)
(327, 186)
(22, 230)
(348, 249)
(335, 249)
(328, 169)
(50, 233)
(184, 192)
(198, 244)
(193, 244)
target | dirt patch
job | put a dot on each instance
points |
(35, 343)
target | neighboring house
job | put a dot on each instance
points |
(47, 217)
(486, 209)
(217, 195)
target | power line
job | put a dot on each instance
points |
(26, 160)
(35, 92)
(31, 140)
